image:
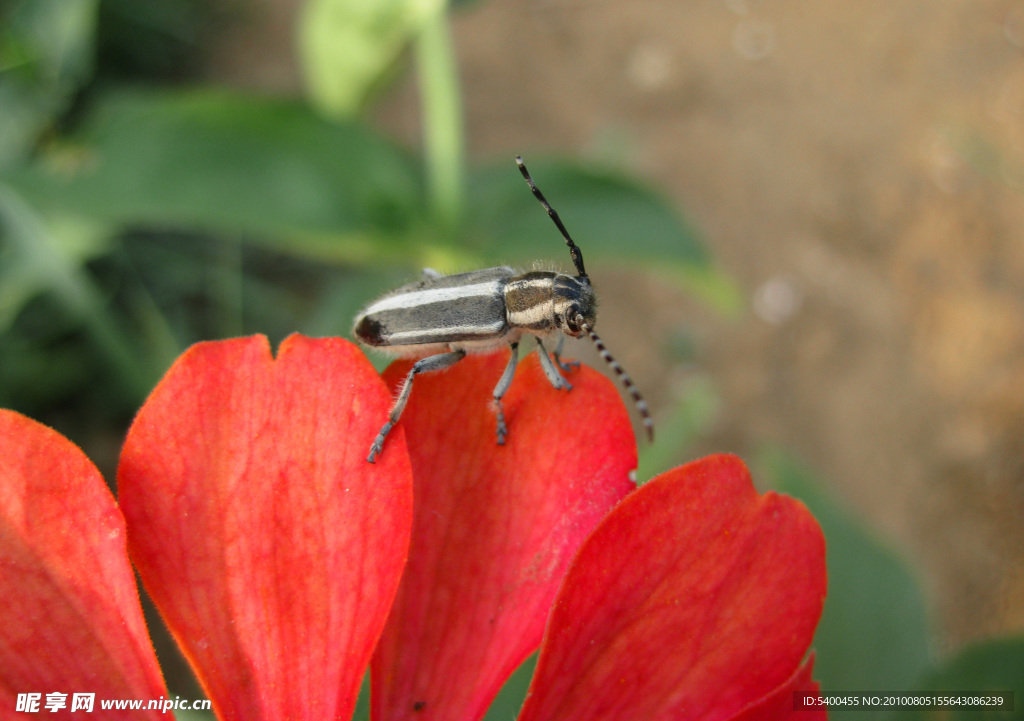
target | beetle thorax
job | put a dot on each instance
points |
(545, 301)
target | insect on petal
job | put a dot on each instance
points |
(695, 598)
(70, 619)
(271, 547)
(495, 527)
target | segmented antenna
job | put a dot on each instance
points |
(627, 382)
(577, 256)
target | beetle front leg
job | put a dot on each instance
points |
(432, 363)
(499, 391)
(554, 377)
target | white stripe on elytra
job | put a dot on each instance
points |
(412, 299)
(443, 335)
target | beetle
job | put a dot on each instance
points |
(441, 318)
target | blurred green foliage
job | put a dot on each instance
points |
(988, 669)
(46, 56)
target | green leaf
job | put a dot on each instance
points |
(607, 215)
(223, 162)
(873, 633)
(31, 266)
(52, 256)
(46, 54)
(991, 668)
(194, 716)
(510, 699)
(346, 46)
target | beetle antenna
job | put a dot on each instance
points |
(627, 382)
(574, 251)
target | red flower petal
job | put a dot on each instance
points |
(782, 704)
(70, 619)
(495, 527)
(270, 545)
(693, 599)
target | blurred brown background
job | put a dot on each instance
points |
(858, 168)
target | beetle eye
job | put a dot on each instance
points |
(573, 319)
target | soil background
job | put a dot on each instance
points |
(858, 169)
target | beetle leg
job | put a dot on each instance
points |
(432, 363)
(567, 366)
(554, 377)
(499, 391)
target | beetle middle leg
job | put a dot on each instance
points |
(547, 365)
(432, 363)
(567, 366)
(499, 391)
